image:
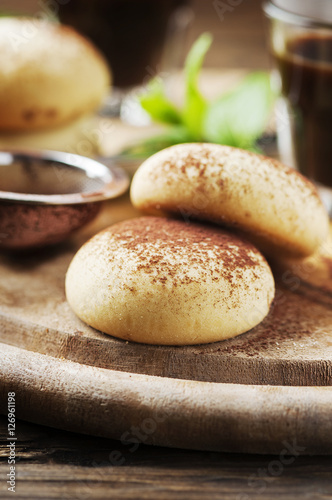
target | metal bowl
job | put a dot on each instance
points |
(45, 196)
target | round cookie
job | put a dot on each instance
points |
(162, 281)
(277, 208)
(49, 74)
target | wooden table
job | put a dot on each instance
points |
(54, 464)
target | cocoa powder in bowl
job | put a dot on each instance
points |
(45, 196)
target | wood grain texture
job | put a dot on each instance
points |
(168, 412)
(55, 464)
(292, 346)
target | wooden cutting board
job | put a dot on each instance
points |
(292, 346)
(68, 375)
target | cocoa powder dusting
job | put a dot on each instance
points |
(198, 246)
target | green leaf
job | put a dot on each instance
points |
(195, 104)
(156, 103)
(8, 13)
(239, 117)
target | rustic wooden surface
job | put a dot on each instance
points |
(58, 464)
(292, 346)
(55, 464)
(169, 412)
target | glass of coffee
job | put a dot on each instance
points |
(300, 36)
(139, 38)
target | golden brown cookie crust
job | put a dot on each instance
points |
(274, 205)
(162, 281)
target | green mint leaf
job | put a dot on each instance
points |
(156, 103)
(239, 117)
(8, 14)
(195, 104)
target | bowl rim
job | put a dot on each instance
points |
(115, 180)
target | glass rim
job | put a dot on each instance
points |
(274, 12)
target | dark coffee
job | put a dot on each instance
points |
(306, 78)
(130, 33)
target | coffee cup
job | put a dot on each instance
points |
(300, 39)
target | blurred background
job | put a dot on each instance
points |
(236, 25)
(145, 38)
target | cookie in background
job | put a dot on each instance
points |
(52, 80)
